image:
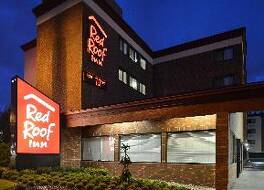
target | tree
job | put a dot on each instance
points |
(125, 161)
(5, 126)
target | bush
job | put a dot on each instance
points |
(5, 155)
(10, 174)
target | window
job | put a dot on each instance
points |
(133, 83)
(251, 121)
(224, 81)
(224, 55)
(228, 80)
(142, 88)
(251, 131)
(123, 46)
(122, 76)
(143, 148)
(133, 55)
(98, 148)
(251, 142)
(143, 63)
(191, 147)
(228, 53)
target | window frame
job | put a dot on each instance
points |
(122, 73)
(134, 134)
(193, 163)
(137, 89)
(221, 52)
(103, 136)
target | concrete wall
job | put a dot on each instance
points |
(236, 127)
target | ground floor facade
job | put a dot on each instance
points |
(180, 150)
(193, 139)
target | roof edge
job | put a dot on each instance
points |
(29, 45)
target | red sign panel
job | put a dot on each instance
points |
(96, 42)
(38, 121)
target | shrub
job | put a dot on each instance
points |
(5, 154)
(10, 174)
(21, 186)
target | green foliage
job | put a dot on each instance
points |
(4, 154)
(5, 185)
(79, 179)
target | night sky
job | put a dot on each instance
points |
(161, 23)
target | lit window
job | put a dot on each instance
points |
(125, 48)
(191, 147)
(133, 83)
(122, 76)
(143, 63)
(98, 148)
(121, 44)
(228, 53)
(133, 55)
(142, 88)
(143, 148)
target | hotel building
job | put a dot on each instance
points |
(180, 109)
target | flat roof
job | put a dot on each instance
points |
(48, 5)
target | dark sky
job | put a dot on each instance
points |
(161, 23)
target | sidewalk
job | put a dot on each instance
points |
(250, 180)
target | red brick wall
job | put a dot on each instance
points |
(198, 174)
(222, 136)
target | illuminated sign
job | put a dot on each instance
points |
(94, 79)
(96, 42)
(38, 121)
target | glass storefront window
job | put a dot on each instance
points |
(191, 147)
(98, 148)
(143, 148)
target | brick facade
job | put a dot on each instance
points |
(70, 147)
(199, 174)
(59, 58)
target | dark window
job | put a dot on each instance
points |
(228, 53)
(251, 141)
(224, 54)
(191, 147)
(251, 131)
(224, 81)
(251, 121)
(143, 148)
(98, 148)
